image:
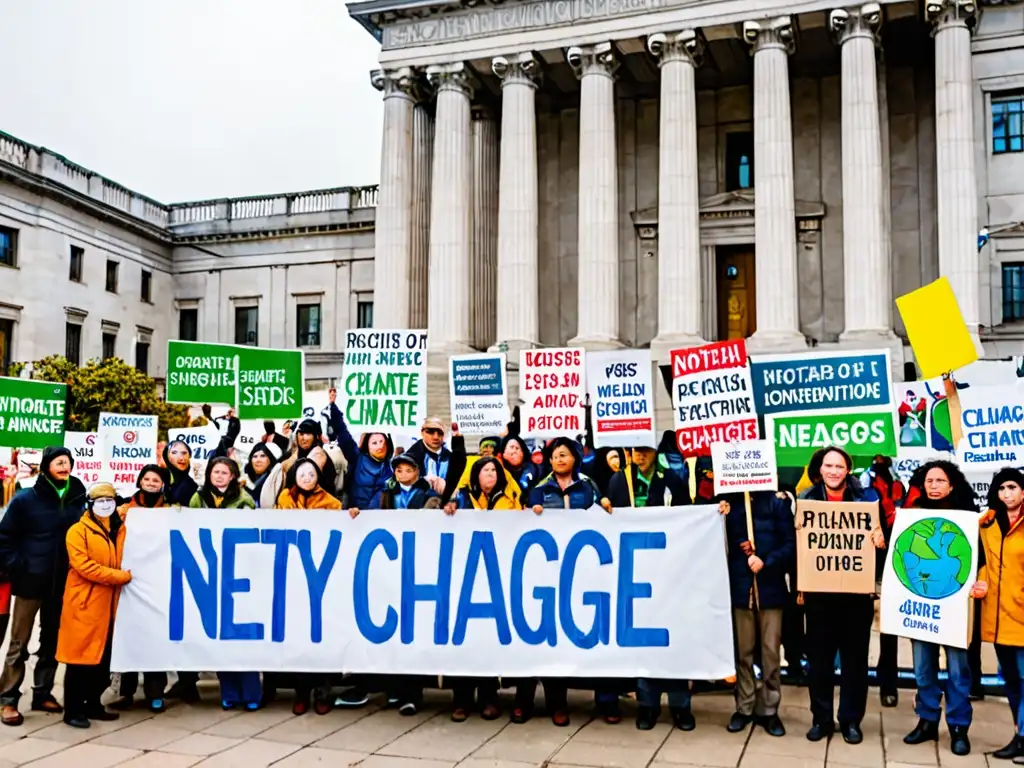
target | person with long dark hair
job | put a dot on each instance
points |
(180, 485)
(941, 485)
(257, 469)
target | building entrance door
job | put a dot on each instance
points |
(737, 294)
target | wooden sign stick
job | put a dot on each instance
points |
(953, 398)
(750, 520)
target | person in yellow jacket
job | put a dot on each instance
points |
(303, 489)
(95, 545)
(1001, 584)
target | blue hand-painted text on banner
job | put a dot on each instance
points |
(822, 381)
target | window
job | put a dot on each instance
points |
(75, 265)
(147, 285)
(188, 324)
(364, 314)
(1013, 292)
(1007, 132)
(308, 325)
(109, 345)
(142, 356)
(247, 326)
(8, 247)
(739, 161)
(73, 343)
(112, 276)
(6, 344)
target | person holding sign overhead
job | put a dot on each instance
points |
(838, 621)
(941, 485)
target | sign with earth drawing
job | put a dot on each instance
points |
(931, 565)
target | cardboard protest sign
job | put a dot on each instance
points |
(712, 396)
(834, 552)
(85, 450)
(992, 420)
(621, 400)
(31, 413)
(936, 329)
(202, 441)
(747, 465)
(551, 385)
(815, 399)
(259, 383)
(385, 384)
(479, 394)
(128, 443)
(931, 565)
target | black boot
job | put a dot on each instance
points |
(1014, 749)
(646, 718)
(959, 744)
(925, 730)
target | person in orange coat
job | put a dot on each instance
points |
(95, 545)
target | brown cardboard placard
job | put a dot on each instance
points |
(834, 552)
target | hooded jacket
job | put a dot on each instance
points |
(180, 487)
(33, 530)
(504, 495)
(421, 496)
(366, 476)
(582, 493)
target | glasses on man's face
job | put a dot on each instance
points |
(433, 431)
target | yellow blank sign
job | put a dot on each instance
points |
(936, 329)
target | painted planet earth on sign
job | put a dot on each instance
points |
(932, 558)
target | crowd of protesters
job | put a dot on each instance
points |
(61, 547)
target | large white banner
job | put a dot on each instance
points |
(128, 443)
(931, 565)
(569, 593)
(619, 383)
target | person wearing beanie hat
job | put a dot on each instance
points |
(1001, 582)
(34, 554)
(95, 546)
(180, 485)
(489, 446)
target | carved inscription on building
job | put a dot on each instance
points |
(515, 16)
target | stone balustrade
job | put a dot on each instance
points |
(296, 203)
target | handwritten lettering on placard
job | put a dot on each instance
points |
(834, 548)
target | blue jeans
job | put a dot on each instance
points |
(1011, 667)
(929, 692)
(648, 693)
(240, 688)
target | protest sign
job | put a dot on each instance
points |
(931, 565)
(936, 329)
(28, 466)
(834, 552)
(552, 388)
(744, 466)
(259, 383)
(712, 397)
(798, 436)
(85, 450)
(479, 395)
(621, 400)
(992, 420)
(31, 413)
(385, 384)
(202, 441)
(636, 593)
(128, 443)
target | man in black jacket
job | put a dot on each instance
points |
(34, 553)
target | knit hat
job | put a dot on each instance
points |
(404, 458)
(102, 491)
(310, 427)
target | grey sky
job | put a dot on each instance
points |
(193, 99)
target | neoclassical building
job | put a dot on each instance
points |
(667, 172)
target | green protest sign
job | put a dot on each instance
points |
(31, 413)
(798, 436)
(258, 383)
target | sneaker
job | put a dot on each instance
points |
(77, 722)
(157, 706)
(356, 697)
(408, 709)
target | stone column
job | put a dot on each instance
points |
(778, 311)
(518, 310)
(394, 202)
(450, 212)
(483, 260)
(679, 253)
(957, 206)
(422, 156)
(867, 278)
(598, 242)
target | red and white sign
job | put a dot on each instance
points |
(712, 396)
(552, 387)
(84, 447)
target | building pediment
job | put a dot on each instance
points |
(721, 209)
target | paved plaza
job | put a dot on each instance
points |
(203, 735)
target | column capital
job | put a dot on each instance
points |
(594, 59)
(685, 45)
(402, 82)
(857, 21)
(950, 13)
(452, 77)
(519, 69)
(770, 33)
